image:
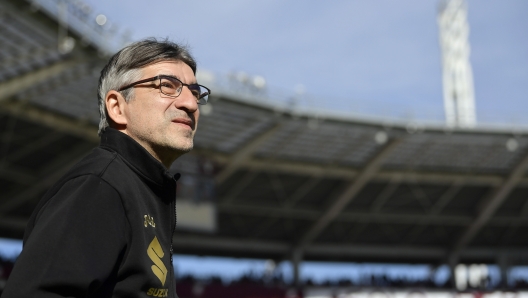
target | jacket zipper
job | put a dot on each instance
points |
(171, 248)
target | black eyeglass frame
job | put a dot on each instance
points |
(200, 100)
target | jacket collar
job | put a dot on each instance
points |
(140, 160)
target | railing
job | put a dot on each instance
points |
(254, 90)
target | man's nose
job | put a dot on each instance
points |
(187, 100)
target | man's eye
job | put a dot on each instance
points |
(168, 85)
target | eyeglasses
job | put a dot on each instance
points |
(172, 87)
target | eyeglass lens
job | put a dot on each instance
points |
(173, 87)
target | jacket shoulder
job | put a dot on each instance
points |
(93, 164)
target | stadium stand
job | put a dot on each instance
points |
(286, 182)
(257, 286)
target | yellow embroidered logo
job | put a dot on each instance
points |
(158, 292)
(155, 253)
(149, 221)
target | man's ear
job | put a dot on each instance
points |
(116, 108)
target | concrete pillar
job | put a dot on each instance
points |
(452, 262)
(297, 257)
(503, 261)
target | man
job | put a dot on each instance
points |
(105, 229)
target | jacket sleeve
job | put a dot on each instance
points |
(76, 246)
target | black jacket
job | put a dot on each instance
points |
(104, 230)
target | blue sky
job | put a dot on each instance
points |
(371, 57)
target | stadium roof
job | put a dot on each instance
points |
(288, 182)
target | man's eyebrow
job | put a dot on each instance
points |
(173, 76)
(168, 75)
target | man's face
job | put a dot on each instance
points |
(163, 125)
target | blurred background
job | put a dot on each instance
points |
(350, 148)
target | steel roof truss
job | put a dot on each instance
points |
(302, 191)
(497, 197)
(33, 146)
(337, 171)
(299, 193)
(414, 233)
(245, 153)
(68, 125)
(347, 195)
(12, 173)
(446, 197)
(278, 189)
(33, 55)
(16, 84)
(356, 230)
(419, 195)
(385, 194)
(50, 176)
(390, 232)
(238, 188)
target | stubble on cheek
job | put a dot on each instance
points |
(180, 137)
(180, 140)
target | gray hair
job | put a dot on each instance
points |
(125, 67)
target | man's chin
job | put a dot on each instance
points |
(184, 148)
(174, 151)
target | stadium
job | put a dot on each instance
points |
(272, 180)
